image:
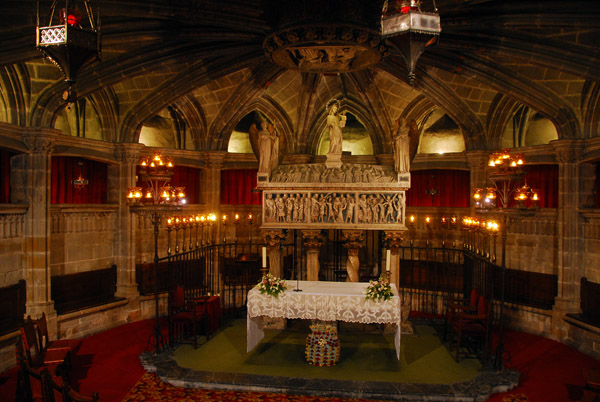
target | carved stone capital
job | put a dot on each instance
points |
(393, 240)
(215, 159)
(39, 143)
(312, 239)
(353, 240)
(478, 160)
(568, 151)
(128, 153)
(273, 238)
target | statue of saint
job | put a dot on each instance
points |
(265, 144)
(400, 145)
(268, 145)
(335, 122)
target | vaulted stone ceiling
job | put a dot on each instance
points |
(207, 58)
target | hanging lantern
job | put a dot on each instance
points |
(412, 30)
(80, 182)
(67, 42)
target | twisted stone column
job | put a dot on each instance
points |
(353, 241)
(393, 240)
(312, 241)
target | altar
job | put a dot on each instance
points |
(321, 300)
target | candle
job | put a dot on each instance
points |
(264, 259)
(387, 260)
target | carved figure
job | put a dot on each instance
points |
(401, 146)
(335, 122)
(264, 144)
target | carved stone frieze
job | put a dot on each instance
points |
(325, 48)
(348, 175)
(339, 209)
(39, 144)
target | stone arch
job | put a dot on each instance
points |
(191, 77)
(105, 102)
(448, 101)
(248, 90)
(272, 111)
(510, 82)
(353, 106)
(590, 109)
(16, 82)
(195, 119)
(502, 108)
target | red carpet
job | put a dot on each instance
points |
(108, 363)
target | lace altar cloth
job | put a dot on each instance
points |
(321, 300)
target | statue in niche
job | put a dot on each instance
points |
(401, 146)
(266, 139)
(336, 121)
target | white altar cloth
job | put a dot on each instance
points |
(321, 300)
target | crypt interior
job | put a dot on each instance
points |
(203, 81)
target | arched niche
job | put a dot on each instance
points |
(355, 138)
(80, 119)
(167, 129)
(526, 127)
(239, 140)
(440, 134)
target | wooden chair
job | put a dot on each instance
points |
(45, 342)
(29, 380)
(474, 328)
(58, 360)
(454, 306)
(54, 390)
(186, 314)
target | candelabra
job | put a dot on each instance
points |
(155, 201)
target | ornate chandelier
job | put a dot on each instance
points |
(157, 172)
(411, 28)
(67, 41)
(506, 175)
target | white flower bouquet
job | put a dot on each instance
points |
(379, 290)
(271, 285)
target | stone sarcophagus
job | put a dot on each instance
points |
(353, 196)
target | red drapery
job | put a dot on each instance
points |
(5, 156)
(544, 180)
(65, 169)
(188, 177)
(236, 186)
(451, 188)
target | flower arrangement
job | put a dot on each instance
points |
(379, 289)
(271, 285)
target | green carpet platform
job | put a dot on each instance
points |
(368, 367)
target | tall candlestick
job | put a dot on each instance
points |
(264, 257)
(387, 260)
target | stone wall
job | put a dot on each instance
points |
(12, 220)
(82, 238)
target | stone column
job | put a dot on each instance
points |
(312, 241)
(353, 240)
(36, 168)
(273, 239)
(212, 179)
(568, 153)
(393, 241)
(120, 178)
(478, 161)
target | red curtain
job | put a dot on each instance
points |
(188, 177)
(451, 188)
(543, 179)
(236, 186)
(65, 169)
(5, 156)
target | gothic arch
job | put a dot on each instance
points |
(590, 109)
(16, 82)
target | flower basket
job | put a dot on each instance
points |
(379, 290)
(271, 285)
